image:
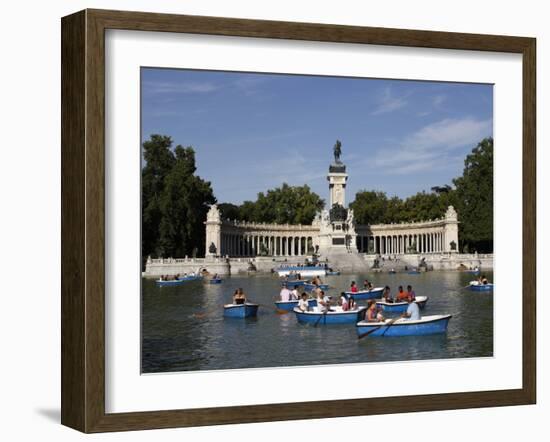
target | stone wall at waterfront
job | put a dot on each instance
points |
(264, 264)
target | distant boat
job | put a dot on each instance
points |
(427, 325)
(163, 283)
(189, 278)
(392, 272)
(335, 316)
(215, 281)
(473, 272)
(413, 272)
(400, 307)
(298, 282)
(332, 272)
(309, 287)
(240, 310)
(361, 295)
(477, 286)
(306, 271)
(289, 305)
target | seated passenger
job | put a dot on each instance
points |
(413, 312)
(484, 280)
(372, 314)
(323, 302)
(401, 295)
(410, 292)
(344, 302)
(303, 303)
(239, 297)
(386, 295)
(353, 287)
(295, 294)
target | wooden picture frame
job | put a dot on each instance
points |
(83, 219)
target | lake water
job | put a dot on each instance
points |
(183, 327)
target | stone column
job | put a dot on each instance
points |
(451, 229)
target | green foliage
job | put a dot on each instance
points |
(285, 204)
(174, 200)
(474, 198)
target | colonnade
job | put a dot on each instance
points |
(429, 242)
(246, 244)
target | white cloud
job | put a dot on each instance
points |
(180, 87)
(432, 145)
(389, 103)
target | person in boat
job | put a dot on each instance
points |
(215, 276)
(344, 303)
(295, 294)
(410, 292)
(367, 285)
(303, 303)
(239, 297)
(373, 315)
(323, 302)
(386, 294)
(285, 294)
(353, 287)
(413, 311)
(401, 295)
(484, 280)
(351, 303)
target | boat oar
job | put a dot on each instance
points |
(364, 335)
(320, 317)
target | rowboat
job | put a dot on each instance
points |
(477, 286)
(215, 281)
(298, 282)
(240, 310)
(332, 272)
(163, 283)
(392, 272)
(309, 287)
(374, 293)
(427, 325)
(400, 307)
(289, 305)
(190, 278)
(306, 271)
(413, 272)
(473, 272)
(335, 316)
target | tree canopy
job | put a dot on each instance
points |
(175, 201)
(282, 205)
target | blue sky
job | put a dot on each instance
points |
(252, 132)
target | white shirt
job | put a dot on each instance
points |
(413, 311)
(294, 294)
(303, 305)
(285, 294)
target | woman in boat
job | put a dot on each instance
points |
(367, 285)
(373, 315)
(344, 303)
(239, 297)
(303, 303)
(353, 287)
(410, 292)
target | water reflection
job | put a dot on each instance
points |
(183, 326)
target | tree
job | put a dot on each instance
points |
(370, 207)
(174, 200)
(474, 198)
(184, 205)
(159, 160)
(229, 211)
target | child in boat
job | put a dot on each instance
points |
(239, 297)
(410, 292)
(353, 287)
(303, 303)
(295, 294)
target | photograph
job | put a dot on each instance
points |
(302, 220)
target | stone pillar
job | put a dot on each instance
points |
(213, 231)
(451, 229)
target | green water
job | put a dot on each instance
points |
(183, 327)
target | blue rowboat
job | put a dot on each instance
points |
(335, 316)
(362, 295)
(427, 325)
(298, 282)
(332, 272)
(400, 307)
(215, 281)
(413, 272)
(290, 305)
(306, 271)
(479, 287)
(190, 278)
(161, 283)
(240, 310)
(311, 287)
(473, 272)
(392, 272)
